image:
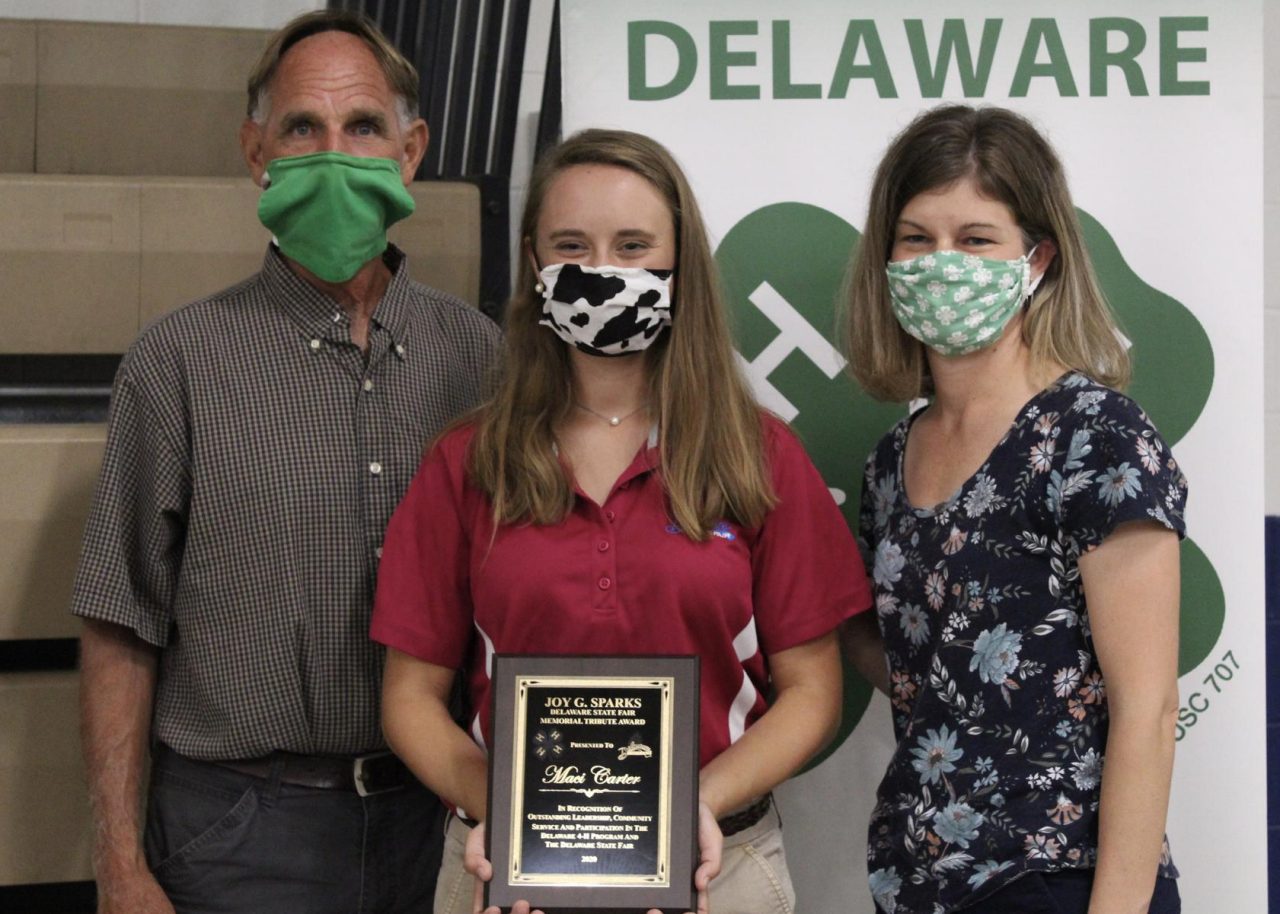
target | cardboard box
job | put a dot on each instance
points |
(69, 265)
(202, 235)
(17, 96)
(198, 236)
(442, 237)
(122, 99)
(47, 475)
(86, 262)
(45, 830)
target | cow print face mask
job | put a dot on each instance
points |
(606, 310)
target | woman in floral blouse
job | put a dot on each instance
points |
(1024, 527)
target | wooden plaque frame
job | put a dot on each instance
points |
(593, 783)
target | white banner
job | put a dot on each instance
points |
(779, 115)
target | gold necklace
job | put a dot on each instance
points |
(614, 421)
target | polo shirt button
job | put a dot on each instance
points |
(603, 546)
(604, 583)
(375, 468)
(368, 385)
(609, 516)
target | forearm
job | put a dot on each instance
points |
(420, 730)
(803, 718)
(117, 688)
(1134, 803)
(441, 756)
(1131, 586)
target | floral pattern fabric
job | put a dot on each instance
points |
(956, 302)
(999, 707)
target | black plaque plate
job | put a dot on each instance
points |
(593, 783)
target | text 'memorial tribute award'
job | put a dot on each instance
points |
(593, 783)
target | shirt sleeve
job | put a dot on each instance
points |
(807, 574)
(867, 533)
(133, 542)
(423, 604)
(1116, 469)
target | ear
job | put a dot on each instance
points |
(251, 148)
(1045, 251)
(527, 246)
(416, 138)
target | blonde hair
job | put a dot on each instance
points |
(1067, 322)
(710, 433)
(401, 75)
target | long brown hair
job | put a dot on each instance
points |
(709, 425)
(1067, 322)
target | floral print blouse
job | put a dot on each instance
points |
(999, 707)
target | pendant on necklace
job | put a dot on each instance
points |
(614, 421)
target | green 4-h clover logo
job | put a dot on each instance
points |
(784, 266)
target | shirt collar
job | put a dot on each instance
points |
(318, 315)
(647, 459)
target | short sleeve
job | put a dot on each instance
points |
(807, 575)
(133, 543)
(423, 603)
(1116, 468)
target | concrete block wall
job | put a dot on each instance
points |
(1271, 403)
(1271, 236)
(245, 14)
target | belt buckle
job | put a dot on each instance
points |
(362, 772)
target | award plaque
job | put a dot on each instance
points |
(593, 783)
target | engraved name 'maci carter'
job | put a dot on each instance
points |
(601, 775)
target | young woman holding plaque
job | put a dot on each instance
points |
(622, 493)
(1025, 528)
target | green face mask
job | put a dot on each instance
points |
(330, 211)
(957, 303)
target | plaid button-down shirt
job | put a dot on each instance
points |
(254, 455)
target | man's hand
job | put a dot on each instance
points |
(134, 892)
(117, 686)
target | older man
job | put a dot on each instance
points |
(259, 440)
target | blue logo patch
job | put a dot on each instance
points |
(723, 531)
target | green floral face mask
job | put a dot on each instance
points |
(330, 211)
(956, 303)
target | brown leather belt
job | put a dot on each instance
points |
(377, 772)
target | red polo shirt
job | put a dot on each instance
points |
(618, 578)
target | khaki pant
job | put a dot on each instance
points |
(753, 873)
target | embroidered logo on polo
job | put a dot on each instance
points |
(783, 268)
(722, 530)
